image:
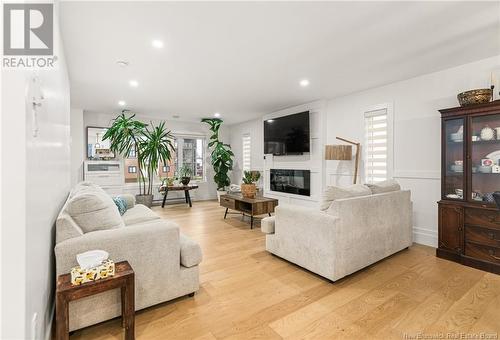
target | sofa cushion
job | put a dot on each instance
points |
(66, 227)
(85, 187)
(267, 225)
(93, 210)
(385, 186)
(190, 251)
(333, 193)
(138, 214)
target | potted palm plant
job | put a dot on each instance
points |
(124, 135)
(152, 147)
(221, 156)
(156, 147)
(185, 173)
(248, 188)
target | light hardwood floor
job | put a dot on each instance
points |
(246, 293)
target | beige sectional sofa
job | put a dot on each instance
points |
(350, 234)
(164, 260)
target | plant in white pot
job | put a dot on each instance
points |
(221, 156)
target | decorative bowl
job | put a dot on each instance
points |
(473, 97)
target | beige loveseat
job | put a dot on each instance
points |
(164, 260)
(348, 236)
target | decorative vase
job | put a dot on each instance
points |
(248, 190)
(185, 180)
(146, 200)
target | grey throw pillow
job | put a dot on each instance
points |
(333, 193)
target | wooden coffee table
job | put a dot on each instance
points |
(185, 188)
(248, 206)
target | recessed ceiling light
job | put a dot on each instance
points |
(217, 114)
(121, 103)
(304, 82)
(133, 83)
(157, 43)
(122, 63)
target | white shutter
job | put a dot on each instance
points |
(376, 145)
(246, 152)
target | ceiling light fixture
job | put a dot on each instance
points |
(304, 82)
(121, 103)
(157, 43)
(122, 63)
(217, 115)
(133, 83)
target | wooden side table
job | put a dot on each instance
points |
(66, 292)
(186, 188)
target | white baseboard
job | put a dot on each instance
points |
(48, 330)
(425, 236)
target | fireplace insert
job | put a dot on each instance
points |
(296, 182)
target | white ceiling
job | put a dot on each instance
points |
(246, 59)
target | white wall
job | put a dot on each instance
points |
(13, 247)
(78, 139)
(207, 189)
(416, 134)
(312, 161)
(35, 182)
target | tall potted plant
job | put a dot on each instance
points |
(152, 147)
(221, 156)
(124, 135)
(156, 147)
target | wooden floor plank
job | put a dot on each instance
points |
(246, 293)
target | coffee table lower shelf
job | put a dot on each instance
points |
(251, 207)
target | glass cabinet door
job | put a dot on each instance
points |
(485, 158)
(453, 165)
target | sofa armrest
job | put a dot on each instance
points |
(291, 215)
(149, 247)
(305, 224)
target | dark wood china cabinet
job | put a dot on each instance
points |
(469, 220)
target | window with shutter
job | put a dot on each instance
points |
(246, 152)
(378, 145)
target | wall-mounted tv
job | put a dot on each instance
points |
(288, 135)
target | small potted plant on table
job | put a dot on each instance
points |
(185, 174)
(248, 188)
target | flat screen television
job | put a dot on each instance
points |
(288, 135)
